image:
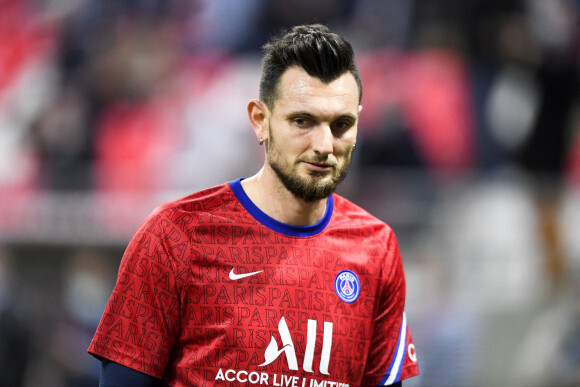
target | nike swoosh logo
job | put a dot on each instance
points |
(234, 276)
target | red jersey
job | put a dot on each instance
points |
(212, 291)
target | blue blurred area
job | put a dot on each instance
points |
(469, 147)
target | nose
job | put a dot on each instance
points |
(322, 140)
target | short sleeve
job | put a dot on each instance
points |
(140, 323)
(391, 355)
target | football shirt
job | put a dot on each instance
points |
(212, 291)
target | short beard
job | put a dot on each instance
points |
(302, 189)
(309, 192)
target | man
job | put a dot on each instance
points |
(270, 280)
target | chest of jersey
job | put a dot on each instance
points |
(277, 309)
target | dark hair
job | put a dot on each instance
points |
(321, 53)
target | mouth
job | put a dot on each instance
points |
(319, 167)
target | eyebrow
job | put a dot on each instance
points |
(310, 115)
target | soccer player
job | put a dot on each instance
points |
(272, 280)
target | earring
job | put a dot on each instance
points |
(261, 141)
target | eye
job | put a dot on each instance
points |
(341, 125)
(302, 122)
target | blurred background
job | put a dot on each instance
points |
(469, 147)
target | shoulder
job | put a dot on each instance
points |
(202, 203)
(347, 212)
(176, 224)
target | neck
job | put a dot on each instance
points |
(268, 193)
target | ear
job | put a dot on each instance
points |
(258, 113)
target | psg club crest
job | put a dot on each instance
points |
(347, 286)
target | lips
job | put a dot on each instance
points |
(320, 166)
(322, 163)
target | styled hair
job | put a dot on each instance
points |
(321, 53)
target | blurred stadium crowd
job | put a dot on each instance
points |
(469, 146)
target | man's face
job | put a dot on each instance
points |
(312, 131)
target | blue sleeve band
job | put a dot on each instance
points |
(117, 375)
